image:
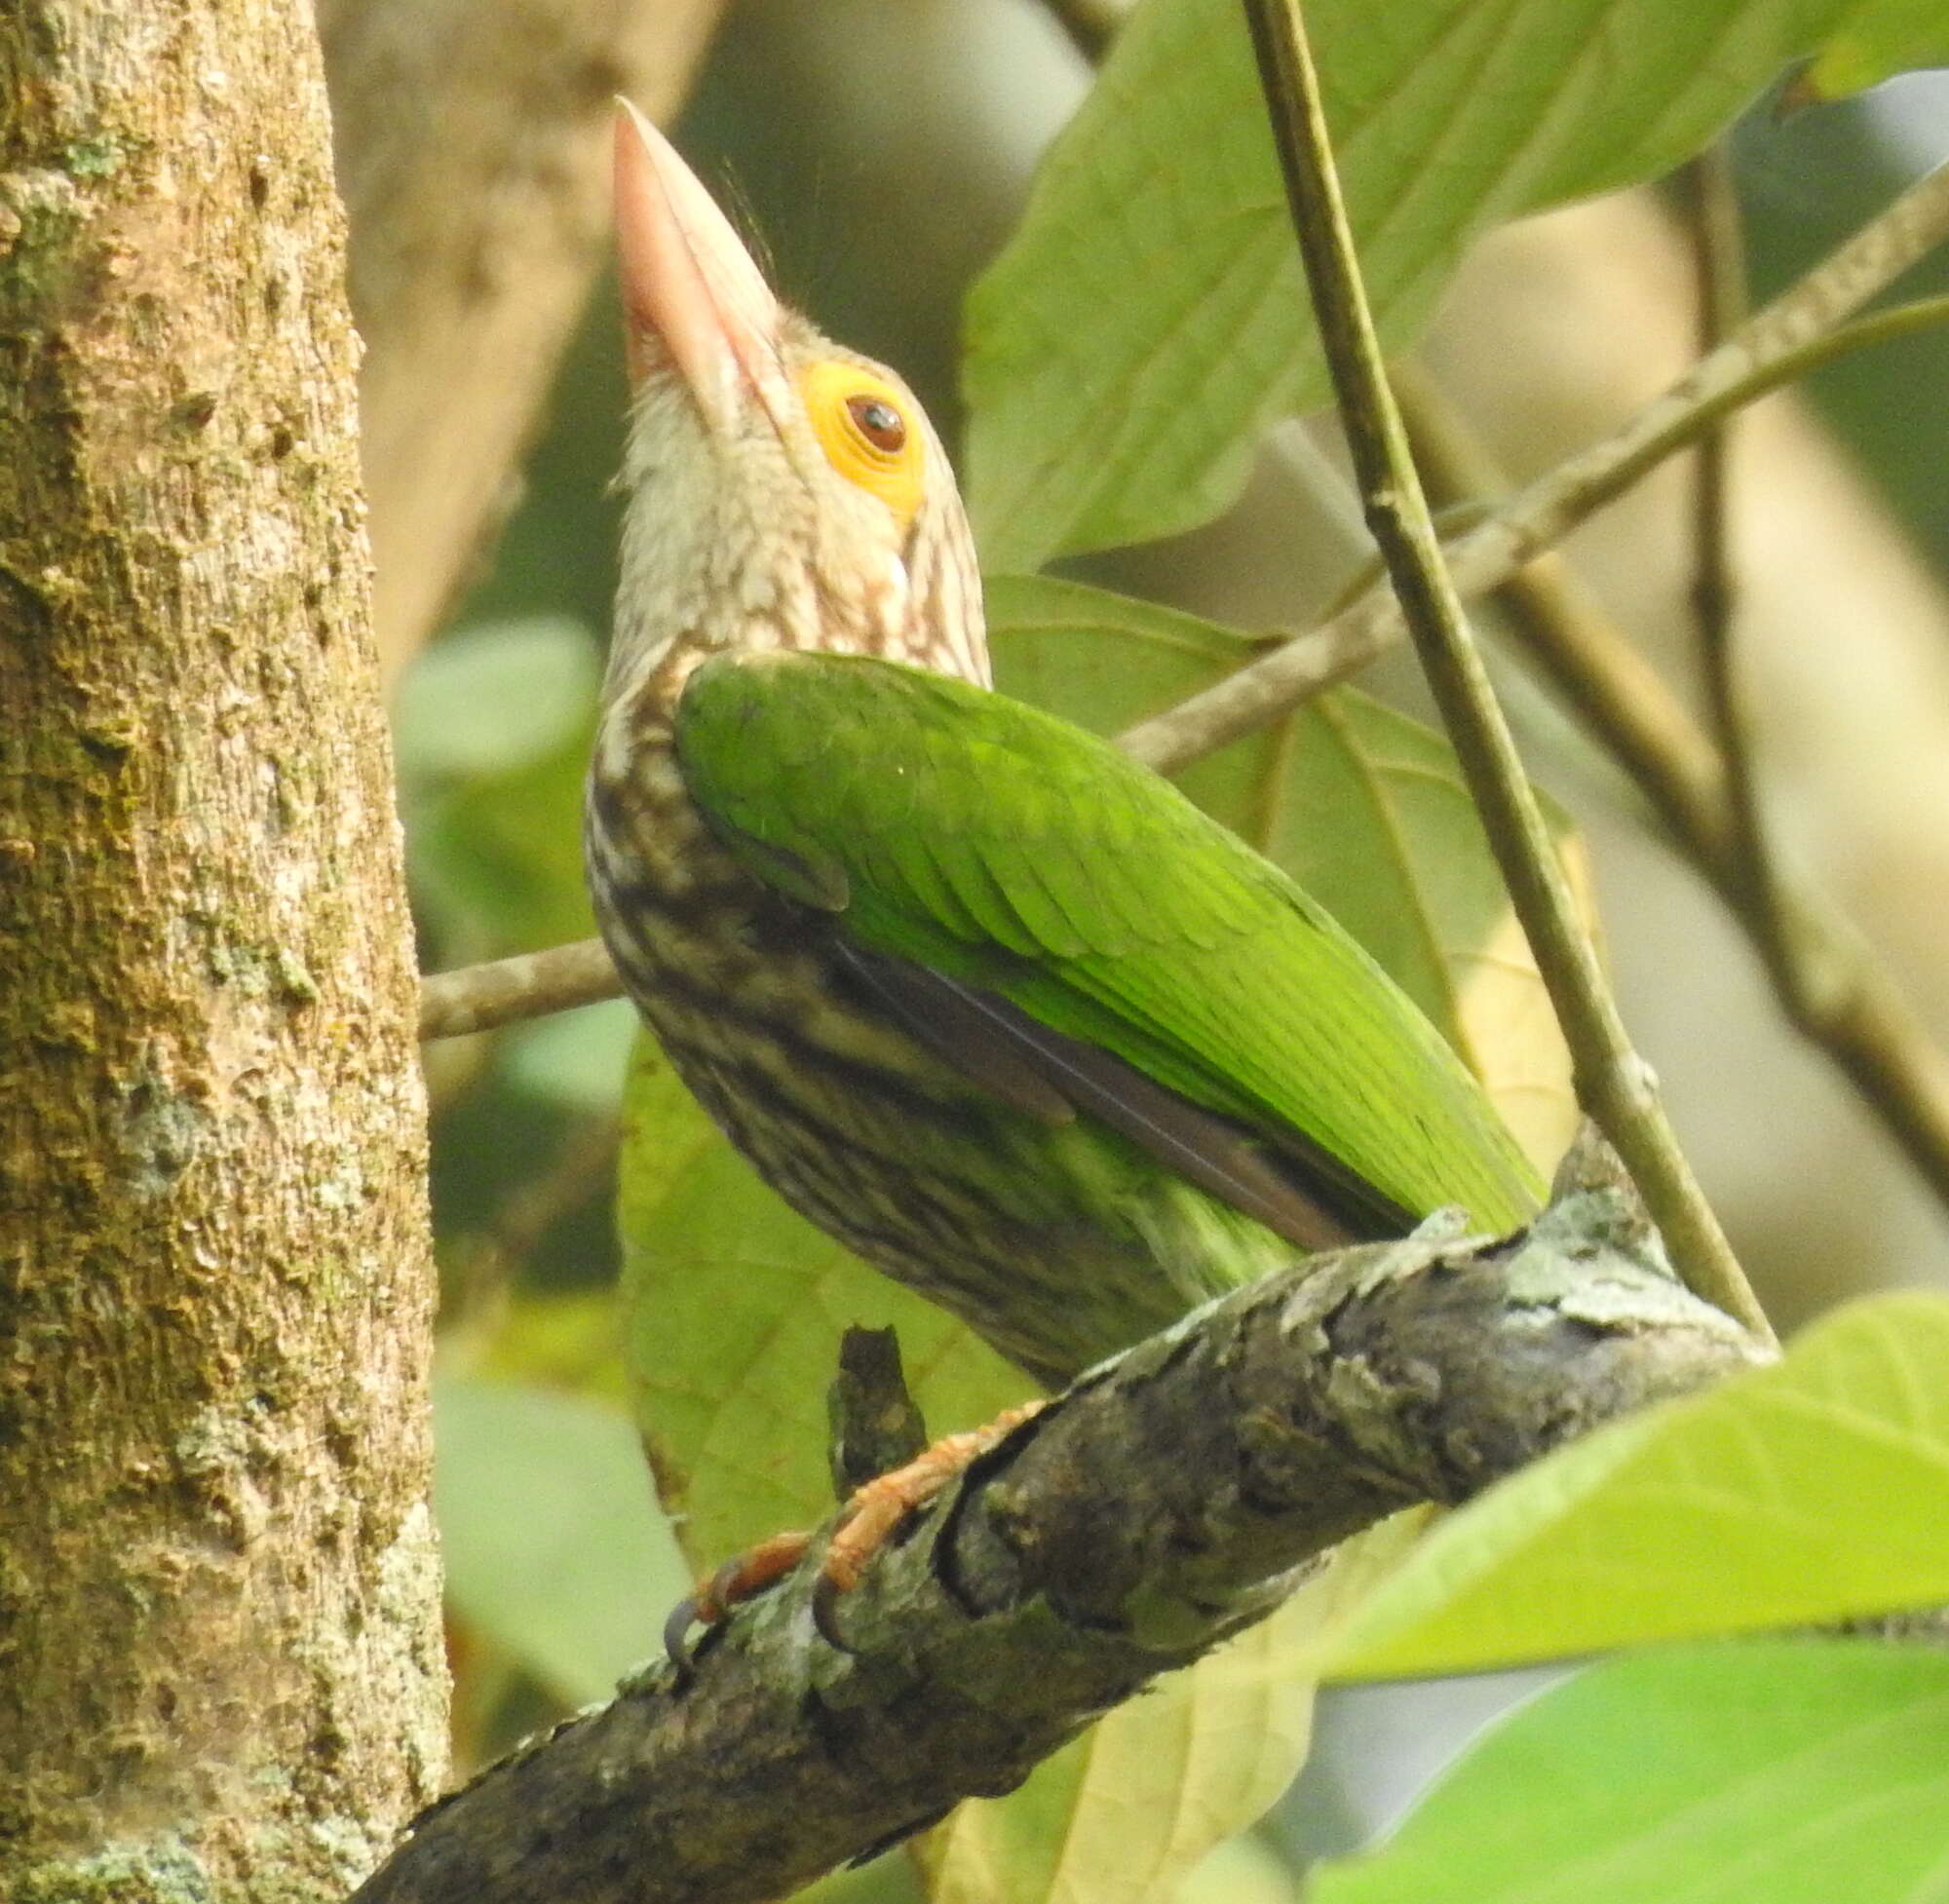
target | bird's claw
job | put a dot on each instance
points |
(742, 1578)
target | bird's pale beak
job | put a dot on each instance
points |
(692, 296)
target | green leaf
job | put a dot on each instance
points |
(550, 1532)
(1800, 1771)
(483, 701)
(1364, 807)
(1148, 317)
(733, 1310)
(1813, 1489)
(1874, 41)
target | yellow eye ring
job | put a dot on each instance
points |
(865, 426)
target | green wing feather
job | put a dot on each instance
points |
(1011, 851)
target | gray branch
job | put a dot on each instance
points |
(507, 991)
(1168, 1499)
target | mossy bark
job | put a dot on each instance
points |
(220, 1673)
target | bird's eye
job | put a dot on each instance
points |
(861, 421)
(883, 426)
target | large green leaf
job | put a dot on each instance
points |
(552, 1543)
(1364, 807)
(1148, 317)
(735, 1307)
(1813, 1489)
(1795, 1771)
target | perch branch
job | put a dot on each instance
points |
(1615, 1085)
(1164, 1502)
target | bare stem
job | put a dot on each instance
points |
(1614, 1082)
(1719, 269)
(1802, 328)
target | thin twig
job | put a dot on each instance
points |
(480, 998)
(1719, 273)
(1613, 1082)
(1842, 1002)
(1797, 331)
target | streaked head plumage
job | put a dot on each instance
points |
(783, 491)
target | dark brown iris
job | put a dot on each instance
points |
(883, 426)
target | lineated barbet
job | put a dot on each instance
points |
(985, 999)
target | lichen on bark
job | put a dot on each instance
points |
(220, 1654)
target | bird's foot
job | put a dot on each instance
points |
(870, 1516)
(873, 1512)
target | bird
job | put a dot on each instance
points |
(984, 999)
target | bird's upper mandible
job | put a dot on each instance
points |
(785, 492)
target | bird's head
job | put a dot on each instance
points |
(783, 492)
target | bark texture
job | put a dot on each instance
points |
(474, 157)
(220, 1673)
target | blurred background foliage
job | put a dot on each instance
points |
(882, 150)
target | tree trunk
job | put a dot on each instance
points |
(474, 157)
(220, 1654)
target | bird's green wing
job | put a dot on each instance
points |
(944, 827)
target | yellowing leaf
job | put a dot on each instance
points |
(1126, 1813)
